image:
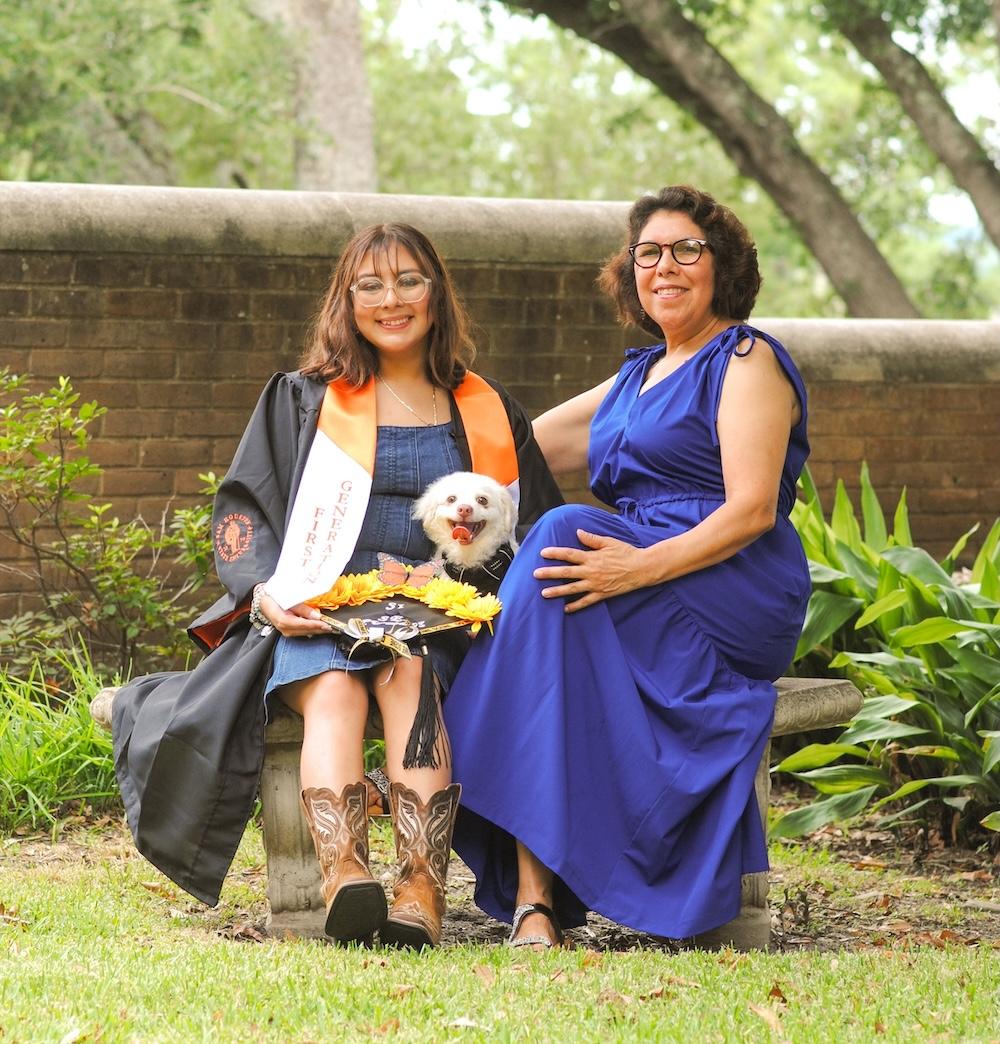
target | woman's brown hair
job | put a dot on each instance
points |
(336, 348)
(737, 277)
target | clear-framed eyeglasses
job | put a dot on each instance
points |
(684, 251)
(370, 291)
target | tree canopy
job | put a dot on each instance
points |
(836, 128)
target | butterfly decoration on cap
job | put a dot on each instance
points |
(395, 608)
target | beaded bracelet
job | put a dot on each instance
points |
(257, 617)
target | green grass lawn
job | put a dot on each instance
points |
(96, 946)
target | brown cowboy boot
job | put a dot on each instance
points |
(355, 901)
(423, 846)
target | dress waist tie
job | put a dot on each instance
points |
(636, 510)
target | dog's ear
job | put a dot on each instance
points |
(509, 511)
(423, 507)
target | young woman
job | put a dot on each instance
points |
(384, 404)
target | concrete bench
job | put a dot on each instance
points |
(293, 872)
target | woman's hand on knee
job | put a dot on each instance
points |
(602, 568)
(300, 621)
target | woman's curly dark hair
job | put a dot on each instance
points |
(737, 277)
(336, 348)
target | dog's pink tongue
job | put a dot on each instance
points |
(461, 534)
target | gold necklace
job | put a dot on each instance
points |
(407, 406)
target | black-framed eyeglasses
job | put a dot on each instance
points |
(684, 251)
(410, 287)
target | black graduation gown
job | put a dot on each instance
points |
(189, 745)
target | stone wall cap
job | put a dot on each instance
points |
(142, 219)
(859, 351)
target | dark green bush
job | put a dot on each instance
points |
(120, 591)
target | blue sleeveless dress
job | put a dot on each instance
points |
(620, 743)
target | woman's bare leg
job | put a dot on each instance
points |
(534, 885)
(334, 709)
(397, 691)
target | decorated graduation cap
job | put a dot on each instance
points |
(395, 608)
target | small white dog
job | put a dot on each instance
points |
(470, 520)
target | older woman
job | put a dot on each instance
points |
(607, 737)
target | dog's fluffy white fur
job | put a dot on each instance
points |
(467, 518)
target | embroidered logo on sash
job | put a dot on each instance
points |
(233, 536)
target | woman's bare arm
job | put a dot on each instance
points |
(563, 433)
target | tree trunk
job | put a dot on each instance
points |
(660, 44)
(966, 160)
(134, 152)
(336, 147)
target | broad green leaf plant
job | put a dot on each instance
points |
(922, 642)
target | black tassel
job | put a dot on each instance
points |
(421, 747)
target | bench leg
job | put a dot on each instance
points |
(293, 876)
(751, 930)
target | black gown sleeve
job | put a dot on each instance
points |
(248, 516)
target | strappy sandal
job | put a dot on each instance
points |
(377, 784)
(535, 940)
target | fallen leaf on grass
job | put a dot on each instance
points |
(8, 915)
(609, 996)
(676, 980)
(769, 1015)
(591, 958)
(159, 888)
(559, 976)
(401, 990)
(246, 932)
(486, 973)
(776, 992)
(390, 1026)
(940, 940)
(879, 1026)
(947, 935)
(974, 875)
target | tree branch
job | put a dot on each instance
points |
(966, 160)
(660, 44)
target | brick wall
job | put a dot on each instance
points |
(172, 307)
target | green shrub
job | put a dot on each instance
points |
(53, 757)
(922, 646)
(121, 591)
